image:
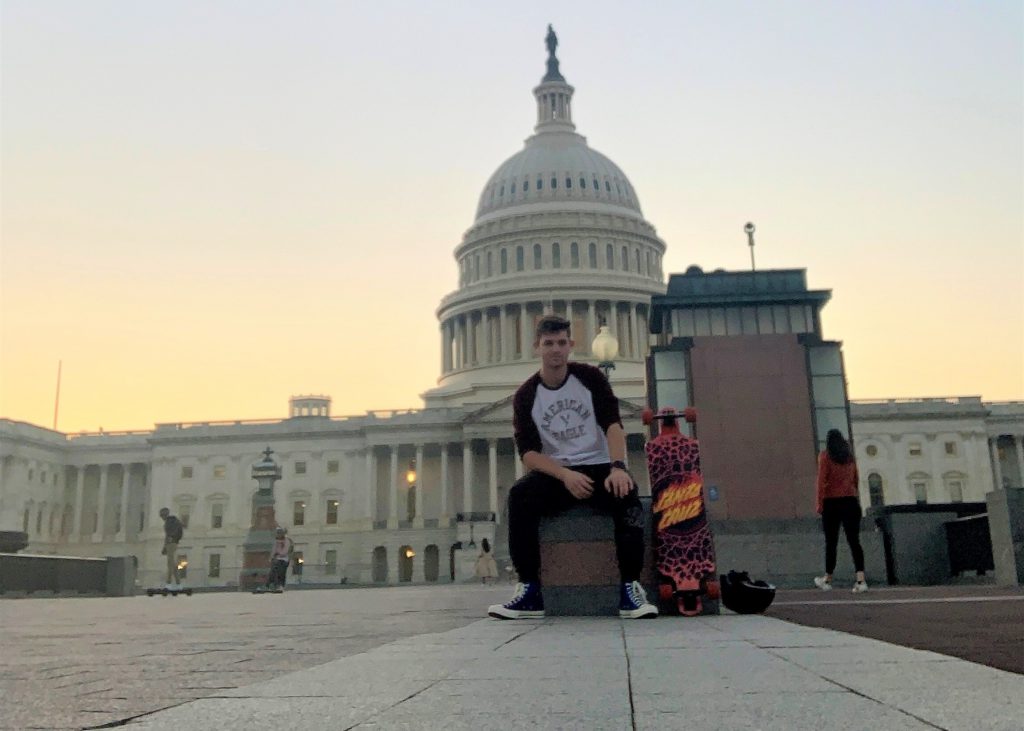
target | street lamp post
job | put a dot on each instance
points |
(605, 347)
(749, 229)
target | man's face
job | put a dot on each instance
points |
(554, 348)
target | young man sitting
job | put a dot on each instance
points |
(570, 438)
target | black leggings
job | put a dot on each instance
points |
(844, 511)
(538, 494)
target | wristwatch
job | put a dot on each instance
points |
(618, 464)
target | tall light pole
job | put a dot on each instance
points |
(749, 228)
(605, 347)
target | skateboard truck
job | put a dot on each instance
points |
(669, 416)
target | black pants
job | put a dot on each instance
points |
(538, 494)
(845, 512)
(278, 573)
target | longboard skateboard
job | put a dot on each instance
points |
(683, 543)
(168, 592)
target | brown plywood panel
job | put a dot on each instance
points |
(755, 426)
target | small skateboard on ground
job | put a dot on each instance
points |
(683, 544)
(164, 591)
(268, 590)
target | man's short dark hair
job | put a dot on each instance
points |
(551, 324)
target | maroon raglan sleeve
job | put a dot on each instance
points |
(525, 431)
(606, 405)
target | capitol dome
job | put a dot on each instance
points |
(557, 167)
(558, 229)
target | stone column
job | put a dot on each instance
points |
(467, 476)
(443, 487)
(1019, 441)
(418, 519)
(393, 489)
(525, 332)
(634, 340)
(444, 350)
(591, 323)
(126, 478)
(371, 484)
(492, 476)
(76, 521)
(506, 334)
(101, 506)
(997, 470)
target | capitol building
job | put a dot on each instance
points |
(407, 495)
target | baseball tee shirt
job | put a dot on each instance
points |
(568, 422)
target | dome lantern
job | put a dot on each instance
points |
(554, 95)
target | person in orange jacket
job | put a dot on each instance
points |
(838, 505)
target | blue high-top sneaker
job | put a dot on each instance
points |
(633, 602)
(526, 603)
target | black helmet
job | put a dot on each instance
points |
(744, 596)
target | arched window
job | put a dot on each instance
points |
(875, 492)
(637, 258)
(556, 256)
(520, 259)
(501, 191)
(504, 261)
(574, 255)
(513, 191)
(596, 186)
(568, 182)
(592, 255)
(540, 183)
(583, 183)
(526, 185)
(476, 267)
(607, 186)
(554, 182)
(490, 264)
(647, 264)
(609, 257)
(624, 259)
(537, 256)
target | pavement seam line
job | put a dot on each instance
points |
(439, 680)
(848, 689)
(629, 676)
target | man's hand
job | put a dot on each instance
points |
(618, 482)
(579, 485)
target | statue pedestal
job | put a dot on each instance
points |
(258, 543)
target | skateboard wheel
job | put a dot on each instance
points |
(647, 417)
(690, 414)
(665, 592)
(714, 590)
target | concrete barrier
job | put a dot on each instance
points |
(1006, 527)
(26, 574)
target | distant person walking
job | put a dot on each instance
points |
(486, 566)
(838, 505)
(173, 532)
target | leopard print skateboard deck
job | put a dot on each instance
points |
(683, 544)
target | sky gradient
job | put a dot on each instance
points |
(210, 207)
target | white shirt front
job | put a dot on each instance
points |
(568, 428)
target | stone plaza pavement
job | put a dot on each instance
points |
(420, 658)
